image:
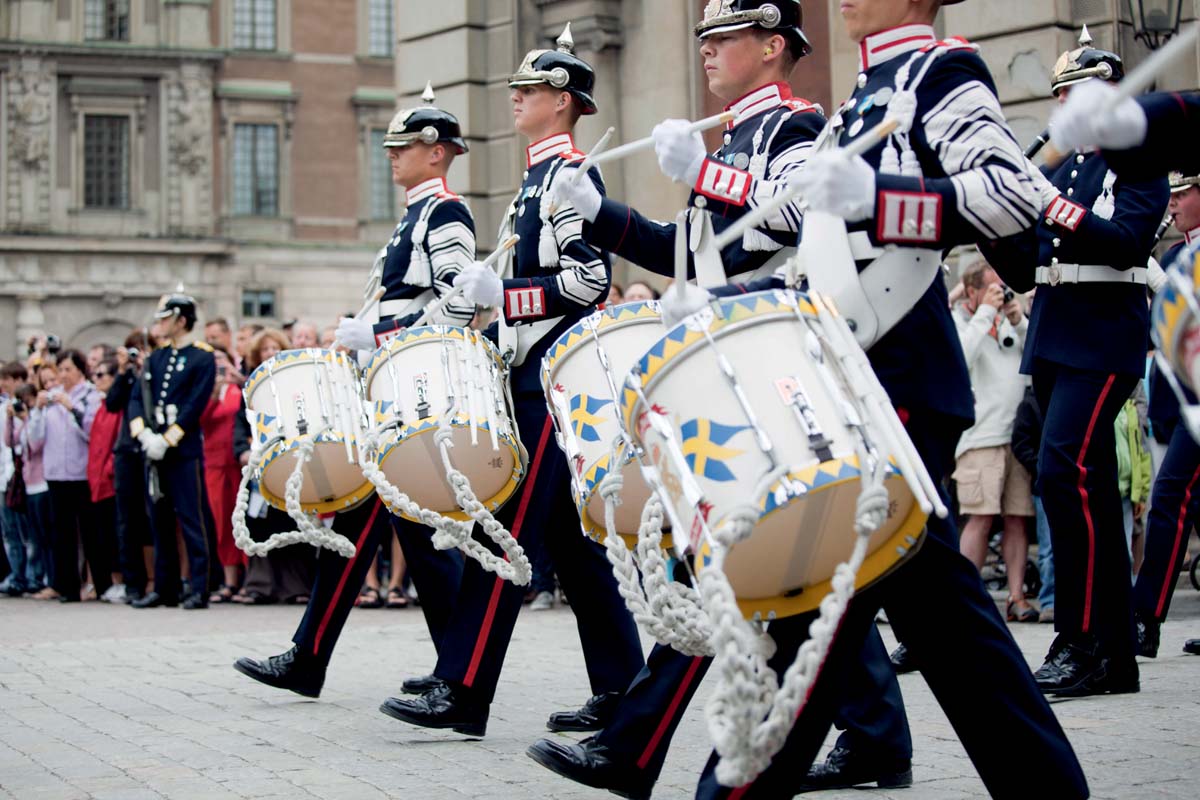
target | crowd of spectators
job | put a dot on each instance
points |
(76, 518)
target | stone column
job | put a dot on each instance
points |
(189, 151)
(31, 320)
(30, 98)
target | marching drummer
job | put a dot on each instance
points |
(551, 279)
(434, 241)
(940, 185)
(164, 416)
(430, 247)
(1088, 257)
(750, 48)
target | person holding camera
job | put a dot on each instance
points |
(992, 326)
(70, 409)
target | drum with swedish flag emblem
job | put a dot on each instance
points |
(1175, 318)
(582, 374)
(306, 394)
(745, 407)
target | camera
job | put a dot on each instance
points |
(18, 407)
(1008, 295)
(53, 343)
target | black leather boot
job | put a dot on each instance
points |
(445, 706)
(1080, 669)
(592, 764)
(1192, 646)
(1147, 636)
(594, 715)
(421, 685)
(844, 769)
(902, 660)
(155, 600)
(292, 670)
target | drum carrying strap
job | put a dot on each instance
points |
(872, 301)
(710, 268)
(517, 339)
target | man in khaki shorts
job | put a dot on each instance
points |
(992, 325)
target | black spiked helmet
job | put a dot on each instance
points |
(426, 124)
(561, 69)
(1084, 63)
(784, 17)
(177, 304)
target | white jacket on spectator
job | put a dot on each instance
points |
(995, 370)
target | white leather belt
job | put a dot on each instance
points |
(404, 306)
(1088, 273)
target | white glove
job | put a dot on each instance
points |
(676, 309)
(1078, 125)
(154, 445)
(680, 152)
(569, 188)
(355, 334)
(1047, 191)
(481, 285)
(1156, 276)
(838, 184)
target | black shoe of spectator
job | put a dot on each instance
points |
(421, 685)
(592, 764)
(902, 660)
(1147, 636)
(595, 714)
(1192, 646)
(155, 600)
(843, 769)
(292, 670)
(132, 596)
(195, 600)
(447, 706)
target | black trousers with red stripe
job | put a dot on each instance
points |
(1077, 478)
(486, 608)
(939, 608)
(435, 573)
(1174, 506)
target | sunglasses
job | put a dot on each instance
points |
(99, 374)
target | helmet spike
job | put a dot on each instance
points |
(1085, 37)
(566, 43)
(428, 96)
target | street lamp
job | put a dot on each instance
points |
(1155, 21)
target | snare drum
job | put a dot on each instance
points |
(411, 382)
(580, 373)
(1175, 319)
(757, 413)
(294, 396)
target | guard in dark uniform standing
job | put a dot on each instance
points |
(1175, 501)
(940, 185)
(1088, 257)
(433, 243)
(164, 417)
(769, 139)
(552, 279)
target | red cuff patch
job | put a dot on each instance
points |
(909, 217)
(723, 182)
(383, 336)
(525, 303)
(1064, 213)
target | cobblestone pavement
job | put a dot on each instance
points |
(100, 702)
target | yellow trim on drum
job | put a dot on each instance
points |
(607, 318)
(894, 552)
(412, 336)
(492, 504)
(343, 503)
(281, 360)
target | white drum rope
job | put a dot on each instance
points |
(515, 566)
(749, 715)
(685, 628)
(308, 532)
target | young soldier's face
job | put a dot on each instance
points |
(732, 61)
(409, 164)
(865, 17)
(535, 109)
(1185, 206)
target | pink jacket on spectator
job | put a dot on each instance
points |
(65, 435)
(31, 452)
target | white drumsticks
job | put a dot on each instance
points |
(375, 297)
(490, 261)
(856, 148)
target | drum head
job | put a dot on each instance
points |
(413, 464)
(331, 483)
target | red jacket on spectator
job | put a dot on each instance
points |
(100, 453)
